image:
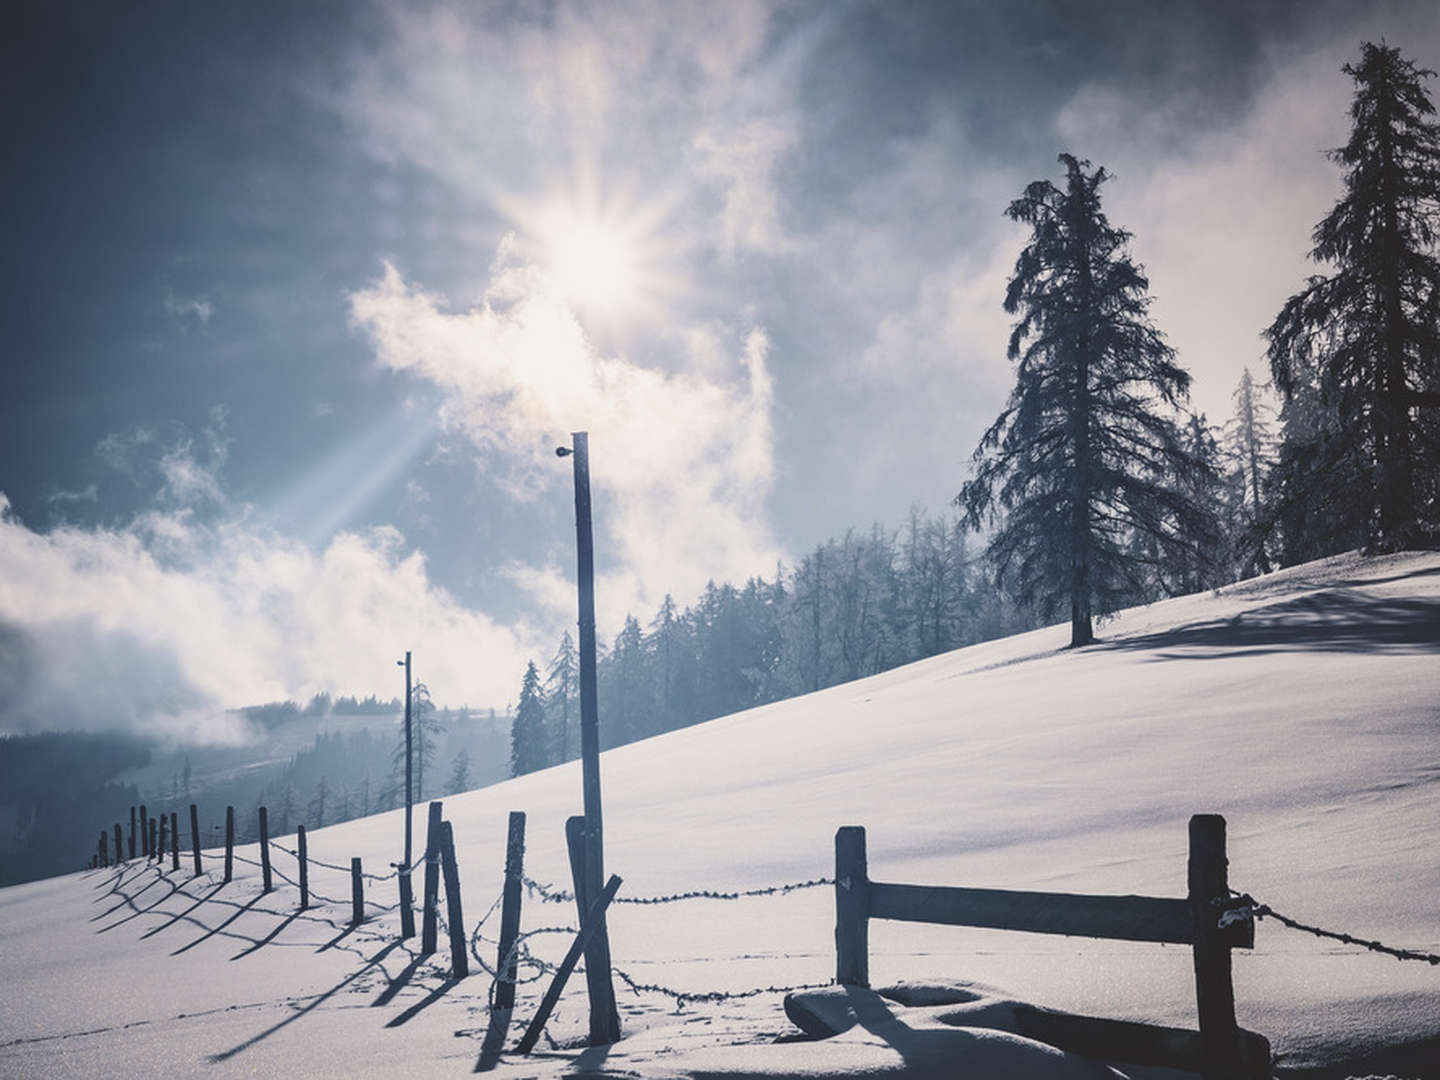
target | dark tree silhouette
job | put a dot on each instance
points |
(528, 744)
(1365, 340)
(1086, 454)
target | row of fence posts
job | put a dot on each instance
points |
(440, 865)
(151, 835)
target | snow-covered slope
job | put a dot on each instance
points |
(1304, 706)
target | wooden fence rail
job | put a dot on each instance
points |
(1221, 1049)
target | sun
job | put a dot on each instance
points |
(594, 265)
(613, 258)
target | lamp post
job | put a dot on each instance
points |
(604, 1021)
(407, 895)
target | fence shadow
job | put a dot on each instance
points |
(318, 1000)
(1337, 620)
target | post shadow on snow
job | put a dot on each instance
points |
(1337, 620)
(183, 914)
(125, 897)
(319, 999)
(424, 1003)
(138, 911)
(262, 942)
(239, 910)
(493, 1045)
(398, 983)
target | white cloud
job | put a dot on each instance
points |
(682, 462)
(189, 311)
(160, 626)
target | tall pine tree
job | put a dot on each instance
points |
(528, 742)
(1365, 340)
(1086, 454)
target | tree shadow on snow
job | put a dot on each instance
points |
(1337, 620)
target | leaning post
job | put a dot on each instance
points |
(429, 929)
(459, 959)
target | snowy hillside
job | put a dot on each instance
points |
(1304, 706)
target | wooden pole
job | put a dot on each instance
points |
(459, 958)
(429, 929)
(119, 844)
(195, 839)
(852, 927)
(1214, 991)
(604, 1027)
(144, 832)
(265, 849)
(409, 769)
(510, 902)
(152, 853)
(407, 904)
(164, 835)
(132, 832)
(104, 854)
(175, 840)
(304, 867)
(229, 841)
(357, 892)
(588, 927)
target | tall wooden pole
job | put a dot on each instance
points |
(409, 757)
(604, 1024)
(407, 895)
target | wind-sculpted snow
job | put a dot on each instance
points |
(1305, 707)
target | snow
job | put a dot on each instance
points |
(1304, 706)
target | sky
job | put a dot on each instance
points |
(299, 300)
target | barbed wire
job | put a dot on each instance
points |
(1243, 906)
(549, 894)
(711, 996)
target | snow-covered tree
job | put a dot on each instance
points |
(1087, 452)
(1365, 339)
(562, 708)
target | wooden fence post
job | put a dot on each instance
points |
(103, 849)
(429, 929)
(144, 832)
(604, 1013)
(588, 927)
(301, 855)
(164, 835)
(459, 958)
(265, 849)
(407, 903)
(506, 965)
(357, 892)
(1214, 990)
(229, 842)
(152, 852)
(852, 907)
(132, 832)
(174, 840)
(194, 839)
(119, 842)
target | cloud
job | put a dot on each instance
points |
(188, 311)
(160, 626)
(682, 461)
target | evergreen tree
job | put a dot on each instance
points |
(1249, 449)
(562, 708)
(316, 810)
(1086, 453)
(460, 773)
(527, 731)
(1366, 338)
